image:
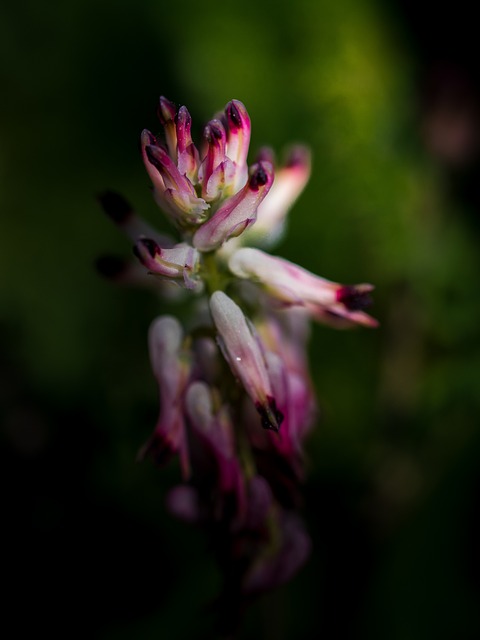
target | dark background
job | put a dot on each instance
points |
(386, 95)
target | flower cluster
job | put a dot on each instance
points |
(236, 400)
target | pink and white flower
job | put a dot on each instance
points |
(179, 263)
(242, 480)
(242, 350)
(211, 189)
(238, 212)
(294, 286)
(290, 181)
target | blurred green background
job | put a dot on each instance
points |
(393, 486)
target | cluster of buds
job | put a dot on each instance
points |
(236, 400)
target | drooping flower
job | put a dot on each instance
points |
(178, 262)
(236, 399)
(244, 355)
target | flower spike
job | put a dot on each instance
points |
(243, 481)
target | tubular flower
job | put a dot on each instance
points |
(245, 357)
(236, 400)
(293, 285)
(290, 180)
(170, 364)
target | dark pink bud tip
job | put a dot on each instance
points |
(183, 116)
(353, 298)
(259, 178)
(115, 206)
(144, 247)
(233, 115)
(271, 417)
(214, 132)
(152, 156)
(166, 110)
(297, 157)
(148, 134)
(110, 266)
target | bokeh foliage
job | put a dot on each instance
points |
(393, 485)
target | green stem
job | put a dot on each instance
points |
(213, 276)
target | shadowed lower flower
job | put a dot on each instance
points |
(170, 364)
(236, 400)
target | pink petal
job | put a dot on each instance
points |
(289, 183)
(148, 139)
(188, 160)
(178, 262)
(179, 194)
(215, 137)
(167, 168)
(238, 140)
(166, 114)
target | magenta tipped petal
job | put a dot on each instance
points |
(238, 139)
(290, 180)
(239, 130)
(293, 285)
(166, 110)
(188, 160)
(178, 263)
(237, 213)
(179, 193)
(168, 169)
(215, 138)
(166, 114)
(242, 352)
